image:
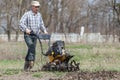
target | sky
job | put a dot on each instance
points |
(90, 1)
(118, 1)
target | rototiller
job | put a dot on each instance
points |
(59, 59)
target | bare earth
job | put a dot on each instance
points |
(101, 75)
(27, 76)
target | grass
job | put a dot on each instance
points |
(37, 74)
(92, 57)
(11, 71)
(11, 64)
(47, 73)
(10, 67)
(79, 47)
(96, 57)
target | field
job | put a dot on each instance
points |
(97, 62)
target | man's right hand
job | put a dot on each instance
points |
(28, 31)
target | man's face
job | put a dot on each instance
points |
(35, 9)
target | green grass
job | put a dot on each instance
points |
(10, 67)
(92, 57)
(96, 57)
(37, 74)
(11, 71)
(11, 64)
(79, 46)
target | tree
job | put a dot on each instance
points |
(12, 11)
(116, 16)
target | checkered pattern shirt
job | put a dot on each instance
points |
(32, 21)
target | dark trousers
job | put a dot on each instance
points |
(31, 41)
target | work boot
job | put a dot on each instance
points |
(31, 64)
(26, 66)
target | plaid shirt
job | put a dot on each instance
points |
(32, 21)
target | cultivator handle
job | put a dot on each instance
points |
(44, 36)
(40, 37)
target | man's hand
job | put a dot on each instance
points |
(45, 32)
(28, 31)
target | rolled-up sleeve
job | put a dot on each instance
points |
(23, 22)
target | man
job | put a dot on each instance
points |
(31, 21)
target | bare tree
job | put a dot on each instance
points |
(65, 16)
(13, 9)
(8, 5)
(116, 16)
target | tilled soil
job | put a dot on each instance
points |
(99, 75)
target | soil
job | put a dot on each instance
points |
(99, 75)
